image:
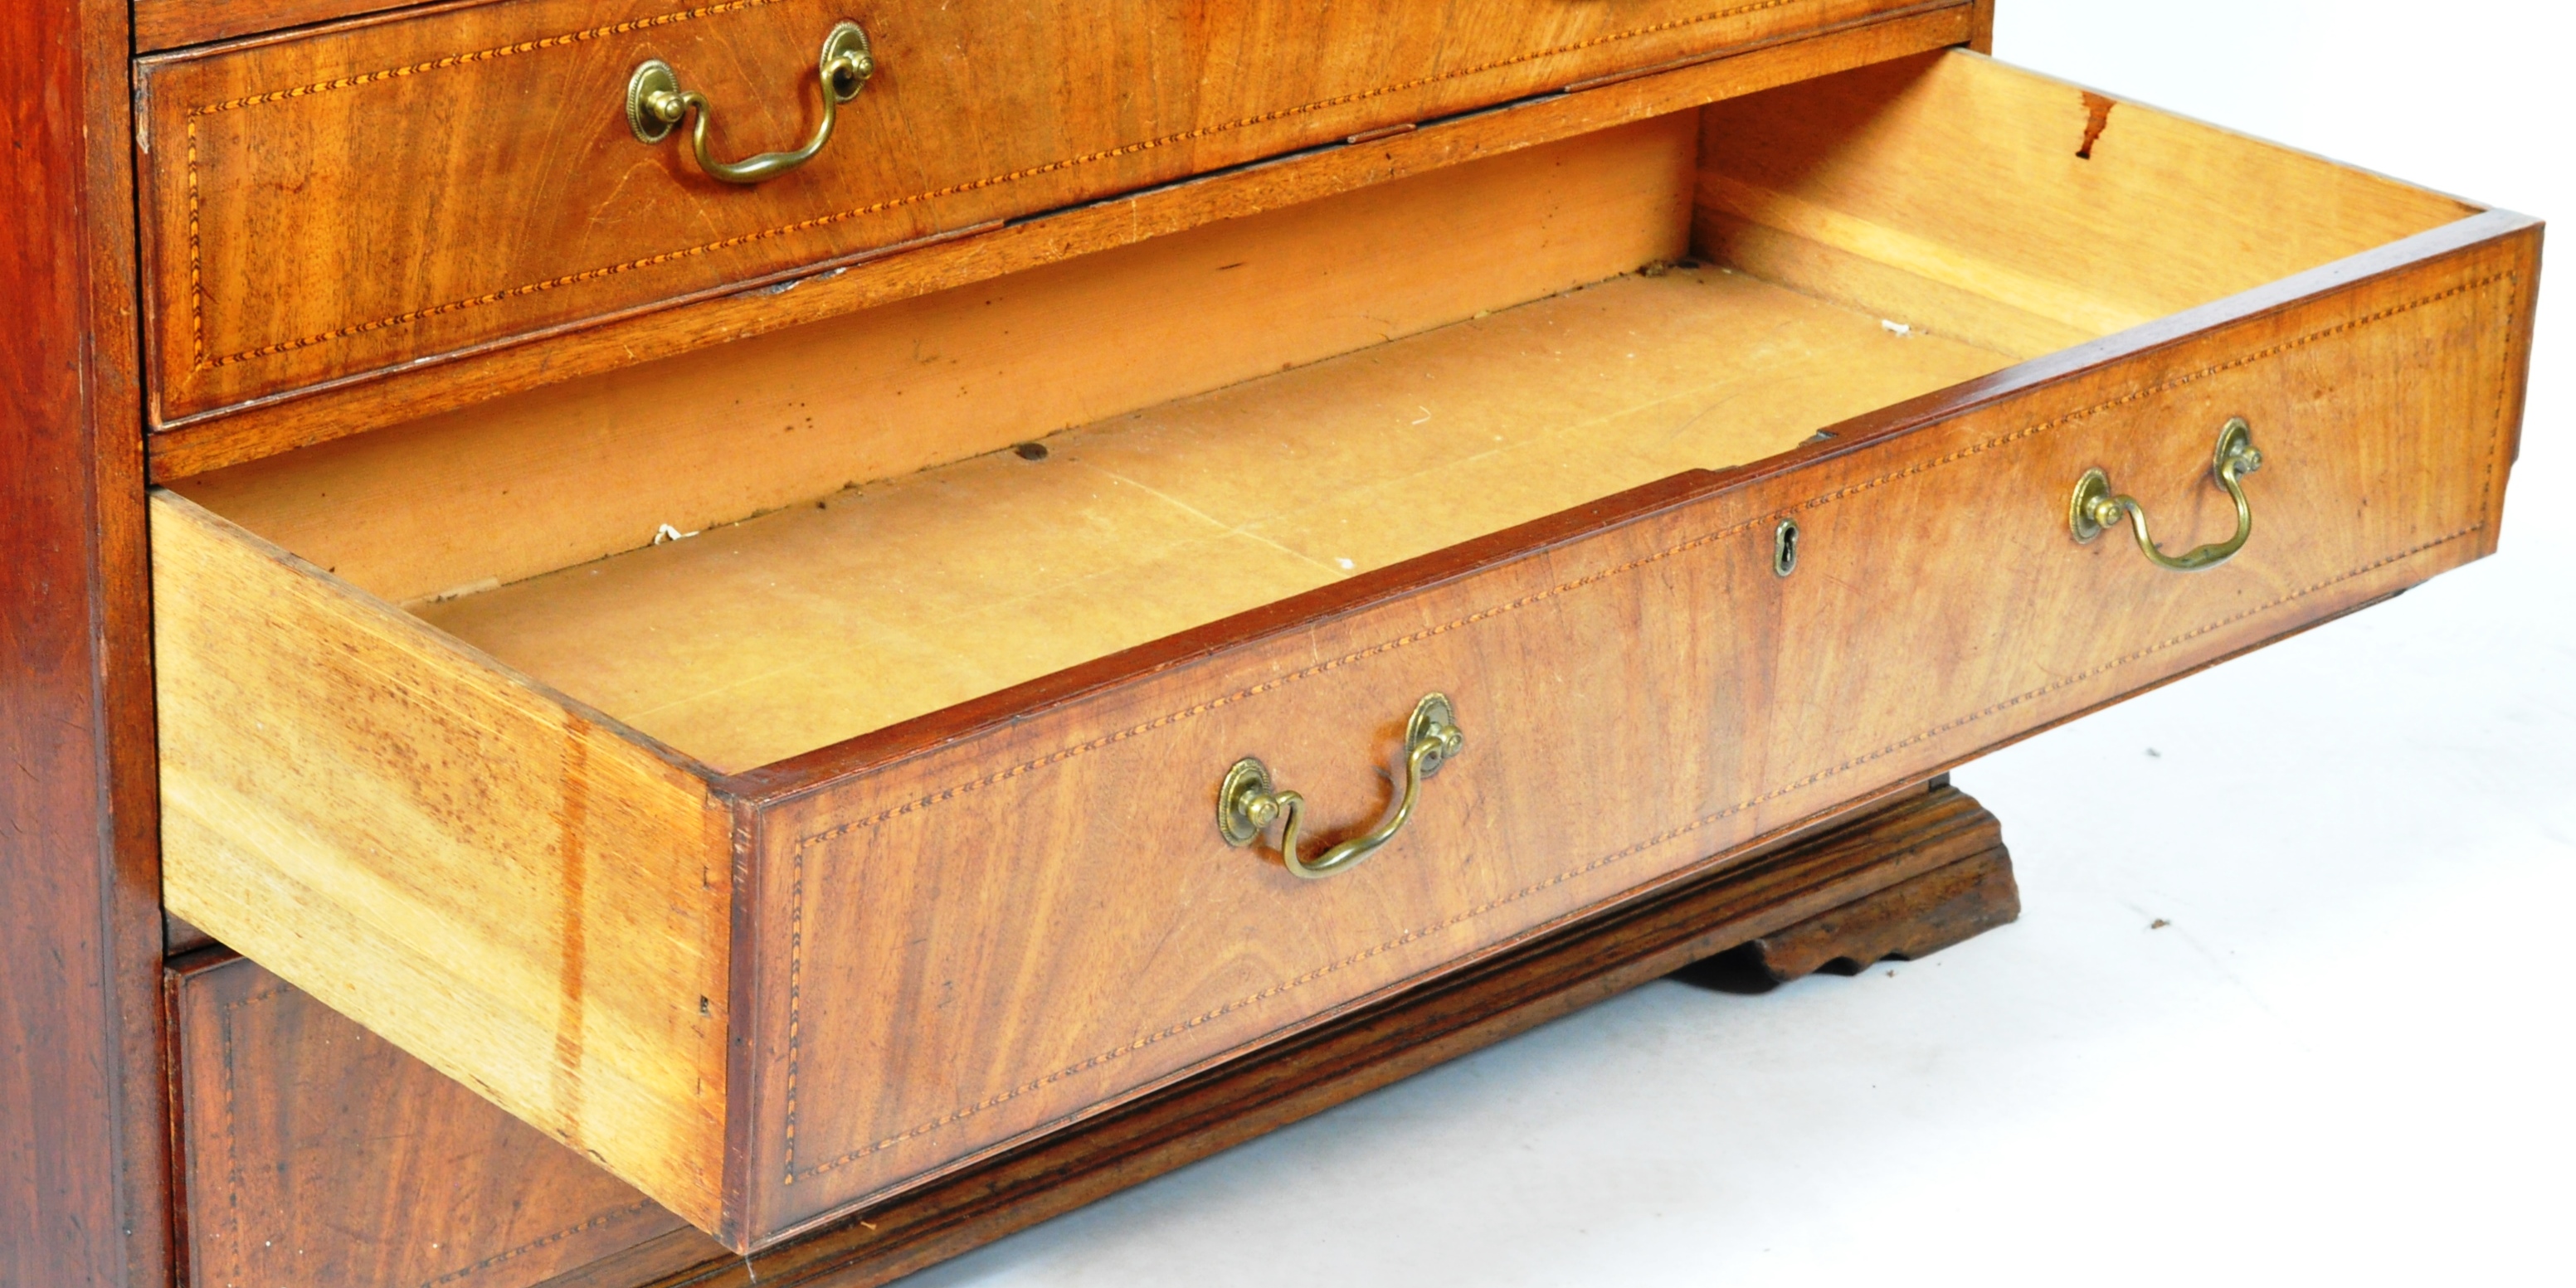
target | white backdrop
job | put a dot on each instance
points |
(2347, 1059)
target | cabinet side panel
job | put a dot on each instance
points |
(526, 901)
(82, 1167)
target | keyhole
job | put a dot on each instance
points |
(1784, 548)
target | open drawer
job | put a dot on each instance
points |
(876, 826)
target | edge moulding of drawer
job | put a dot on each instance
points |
(549, 837)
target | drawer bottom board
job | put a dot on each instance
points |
(766, 639)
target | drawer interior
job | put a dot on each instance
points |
(913, 507)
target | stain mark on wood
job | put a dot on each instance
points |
(2097, 118)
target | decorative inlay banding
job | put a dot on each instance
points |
(1668, 837)
(1416, 637)
(200, 361)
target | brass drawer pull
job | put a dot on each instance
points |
(1246, 801)
(655, 105)
(2094, 508)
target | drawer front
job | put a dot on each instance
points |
(323, 207)
(995, 936)
(317, 1153)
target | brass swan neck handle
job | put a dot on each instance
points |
(1248, 802)
(655, 105)
(2095, 508)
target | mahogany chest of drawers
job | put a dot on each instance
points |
(765, 640)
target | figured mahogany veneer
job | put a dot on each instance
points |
(1919, 870)
(771, 996)
(161, 25)
(324, 207)
(315, 1152)
(521, 486)
(465, 380)
(82, 1133)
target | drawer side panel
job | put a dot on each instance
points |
(1000, 935)
(523, 899)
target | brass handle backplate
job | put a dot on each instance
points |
(655, 106)
(1247, 802)
(2095, 508)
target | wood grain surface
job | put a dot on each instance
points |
(998, 927)
(83, 1132)
(161, 25)
(905, 597)
(1908, 921)
(436, 382)
(318, 1153)
(319, 206)
(1877, 187)
(417, 1178)
(976, 927)
(530, 900)
(565, 475)
(536, 482)
(1851, 857)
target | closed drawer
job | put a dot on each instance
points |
(314, 1152)
(790, 863)
(321, 207)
